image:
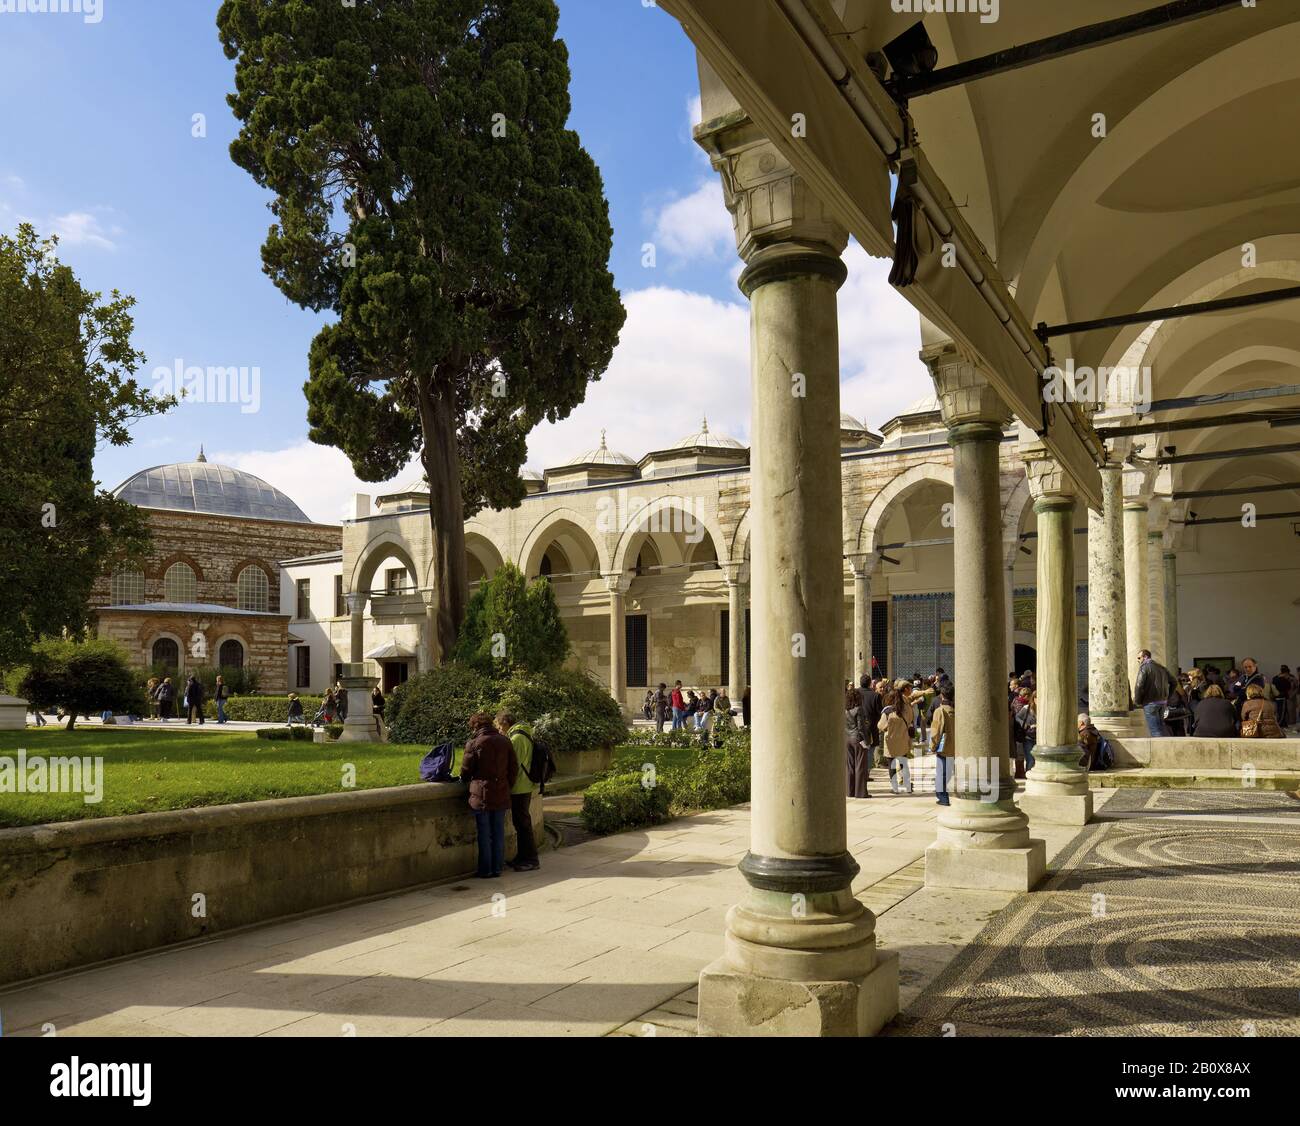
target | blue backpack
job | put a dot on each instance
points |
(436, 765)
(1105, 753)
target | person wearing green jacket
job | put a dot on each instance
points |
(521, 793)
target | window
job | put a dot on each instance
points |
(302, 659)
(254, 589)
(338, 672)
(180, 584)
(166, 654)
(638, 668)
(395, 580)
(304, 598)
(340, 605)
(127, 587)
(230, 655)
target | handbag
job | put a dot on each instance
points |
(1250, 729)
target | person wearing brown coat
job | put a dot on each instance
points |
(489, 768)
(1259, 715)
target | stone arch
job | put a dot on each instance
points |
(708, 522)
(160, 571)
(569, 526)
(483, 557)
(153, 636)
(740, 541)
(898, 489)
(386, 545)
(1013, 516)
(252, 561)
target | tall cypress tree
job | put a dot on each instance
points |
(428, 192)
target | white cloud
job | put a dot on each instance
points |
(696, 225)
(318, 478)
(81, 228)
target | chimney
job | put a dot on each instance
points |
(360, 506)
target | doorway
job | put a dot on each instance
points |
(395, 673)
(1026, 659)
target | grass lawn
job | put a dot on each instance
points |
(145, 771)
(630, 757)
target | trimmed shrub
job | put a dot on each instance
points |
(571, 710)
(647, 737)
(264, 709)
(333, 730)
(82, 677)
(296, 734)
(433, 707)
(621, 802)
(715, 780)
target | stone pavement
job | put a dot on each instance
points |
(609, 936)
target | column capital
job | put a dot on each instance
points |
(356, 601)
(617, 582)
(863, 566)
(1047, 479)
(966, 398)
(770, 203)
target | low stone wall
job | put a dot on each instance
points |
(79, 892)
(1207, 754)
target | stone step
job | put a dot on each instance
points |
(1193, 779)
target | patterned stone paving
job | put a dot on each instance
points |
(1170, 925)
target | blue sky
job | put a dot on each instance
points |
(98, 145)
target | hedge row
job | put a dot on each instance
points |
(714, 780)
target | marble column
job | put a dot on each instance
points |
(863, 566)
(735, 574)
(1136, 557)
(1108, 683)
(1171, 611)
(356, 603)
(983, 840)
(1056, 789)
(1156, 597)
(617, 586)
(800, 953)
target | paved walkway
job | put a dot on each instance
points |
(608, 937)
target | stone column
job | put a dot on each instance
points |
(617, 586)
(1108, 683)
(735, 573)
(1136, 555)
(800, 952)
(1057, 787)
(1156, 596)
(983, 839)
(361, 725)
(1171, 611)
(862, 566)
(356, 602)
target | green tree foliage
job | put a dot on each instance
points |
(512, 625)
(66, 368)
(82, 678)
(428, 192)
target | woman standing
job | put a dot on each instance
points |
(490, 768)
(897, 741)
(943, 740)
(1027, 717)
(857, 748)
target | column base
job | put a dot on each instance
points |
(1057, 809)
(985, 869)
(736, 1003)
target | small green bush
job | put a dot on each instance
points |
(715, 780)
(433, 707)
(648, 737)
(334, 730)
(264, 709)
(622, 801)
(511, 624)
(297, 734)
(82, 677)
(571, 710)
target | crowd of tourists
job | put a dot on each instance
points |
(887, 721)
(1210, 703)
(692, 709)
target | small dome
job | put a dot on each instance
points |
(602, 455)
(703, 439)
(531, 475)
(927, 405)
(848, 422)
(218, 490)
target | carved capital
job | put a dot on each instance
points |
(965, 397)
(617, 583)
(769, 202)
(1046, 477)
(862, 566)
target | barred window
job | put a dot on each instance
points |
(180, 584)
(231, 655)
(254, 589)
(127, 587)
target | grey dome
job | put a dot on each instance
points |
(602, 455)
(707, 440)
(219, 490)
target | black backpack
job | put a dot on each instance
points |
(541, 768)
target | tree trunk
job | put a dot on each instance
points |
(441, 461)
(72, 719)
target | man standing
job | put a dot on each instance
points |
(194, 700)
(1151, 693)
(221, 695)
(521, 793)
(679, 706)
(661, 707)
(872, 706)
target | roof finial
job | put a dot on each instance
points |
(704, 426)
(602, 439)
(202, 456)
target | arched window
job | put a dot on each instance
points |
(167, 654)
(231, 655)
(254, 589)
(127, 587)
(180, 584)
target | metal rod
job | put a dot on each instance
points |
(1241, 419)
(1045, 332)
(1282, 392)
(1179, 459)
(1056, 46)
(1243, 491)
(1237, 519)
